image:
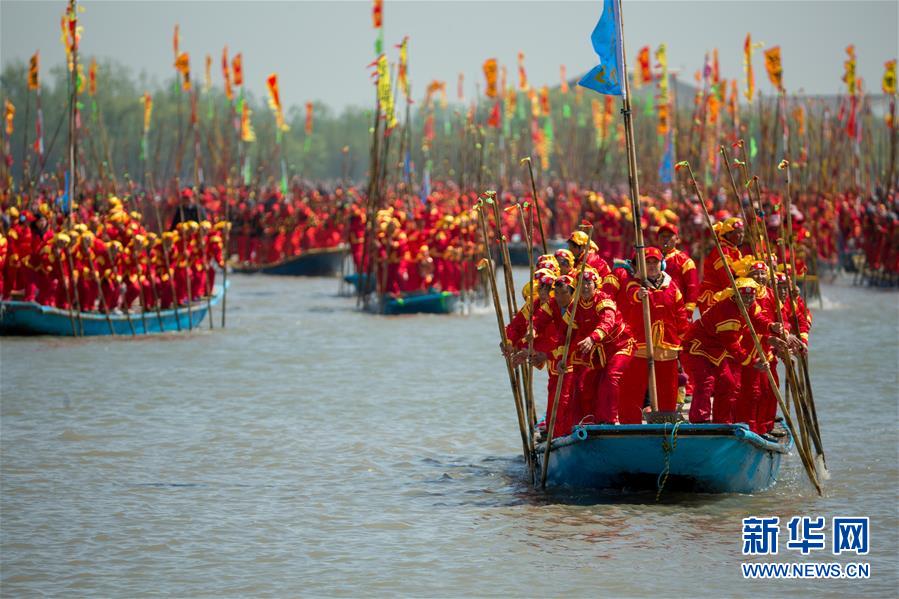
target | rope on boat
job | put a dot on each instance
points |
(668, 448)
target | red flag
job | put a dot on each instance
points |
(226, 74)
(237, 69)
(494, 119)
(92, 77)
(643, 60)
(309, 109)
(377, 13)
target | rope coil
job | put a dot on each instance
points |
(668, 448)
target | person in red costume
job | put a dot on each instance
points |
(755, 395)
(18, 275)
(714, 275)
(713, 352)
(679, 266)
(669, 323)
(604, 337)
(578, 243)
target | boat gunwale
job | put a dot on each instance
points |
(597, 431)
(246, 268)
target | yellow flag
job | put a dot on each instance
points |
(774, 67)
(889, 77)
(490, 68)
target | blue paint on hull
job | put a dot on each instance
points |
(438, 302)
(710, 458)
(356, 279)
(518, 251)
(31, 318)
(312, 263)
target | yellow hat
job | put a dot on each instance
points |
(742, 283)
(579, 238)
(527, 291)
(726, 226)
(747, 283)
(13, 212)
(206, 225)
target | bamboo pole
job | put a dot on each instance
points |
(96, 275)
(536, 203)
(491, 274)
(634, 185)
(75, 293)
(563, 363)
(65, 282)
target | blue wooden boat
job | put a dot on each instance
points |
(31, 318)
(430, 302)
(319, 262)
(518, 251)
(709, 458)
(355, 279)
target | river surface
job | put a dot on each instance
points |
(312, 450)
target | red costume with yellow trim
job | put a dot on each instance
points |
(713, 353)
(714, 275)
(682, 269)
(669, 323)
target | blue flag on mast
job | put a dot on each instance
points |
(605, 78)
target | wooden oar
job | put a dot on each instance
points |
(113, 274)
(803, 361)
(65, 283)
(536, 202)
(96, 276)
(528, 230)
(788, 420)
(487, 261)
(75, 293)
(563, 362)
(207, 291)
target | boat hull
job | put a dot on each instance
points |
(31, 318)
(325, 262)
(518, 251)
(709, 458)
(439, 302)
(355, 279)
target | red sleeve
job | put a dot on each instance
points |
(517, 330)
(606, 321)
(691, 283)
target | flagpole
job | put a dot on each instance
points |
(635, 210)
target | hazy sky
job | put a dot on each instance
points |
(320, 49)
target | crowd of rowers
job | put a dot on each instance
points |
(415, 245)
(711, 356)
(107, 261)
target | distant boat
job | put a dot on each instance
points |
(709, 458)
(318, 262)
(422, 302)
(518, 251)
(32, 318)
(355, 279)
